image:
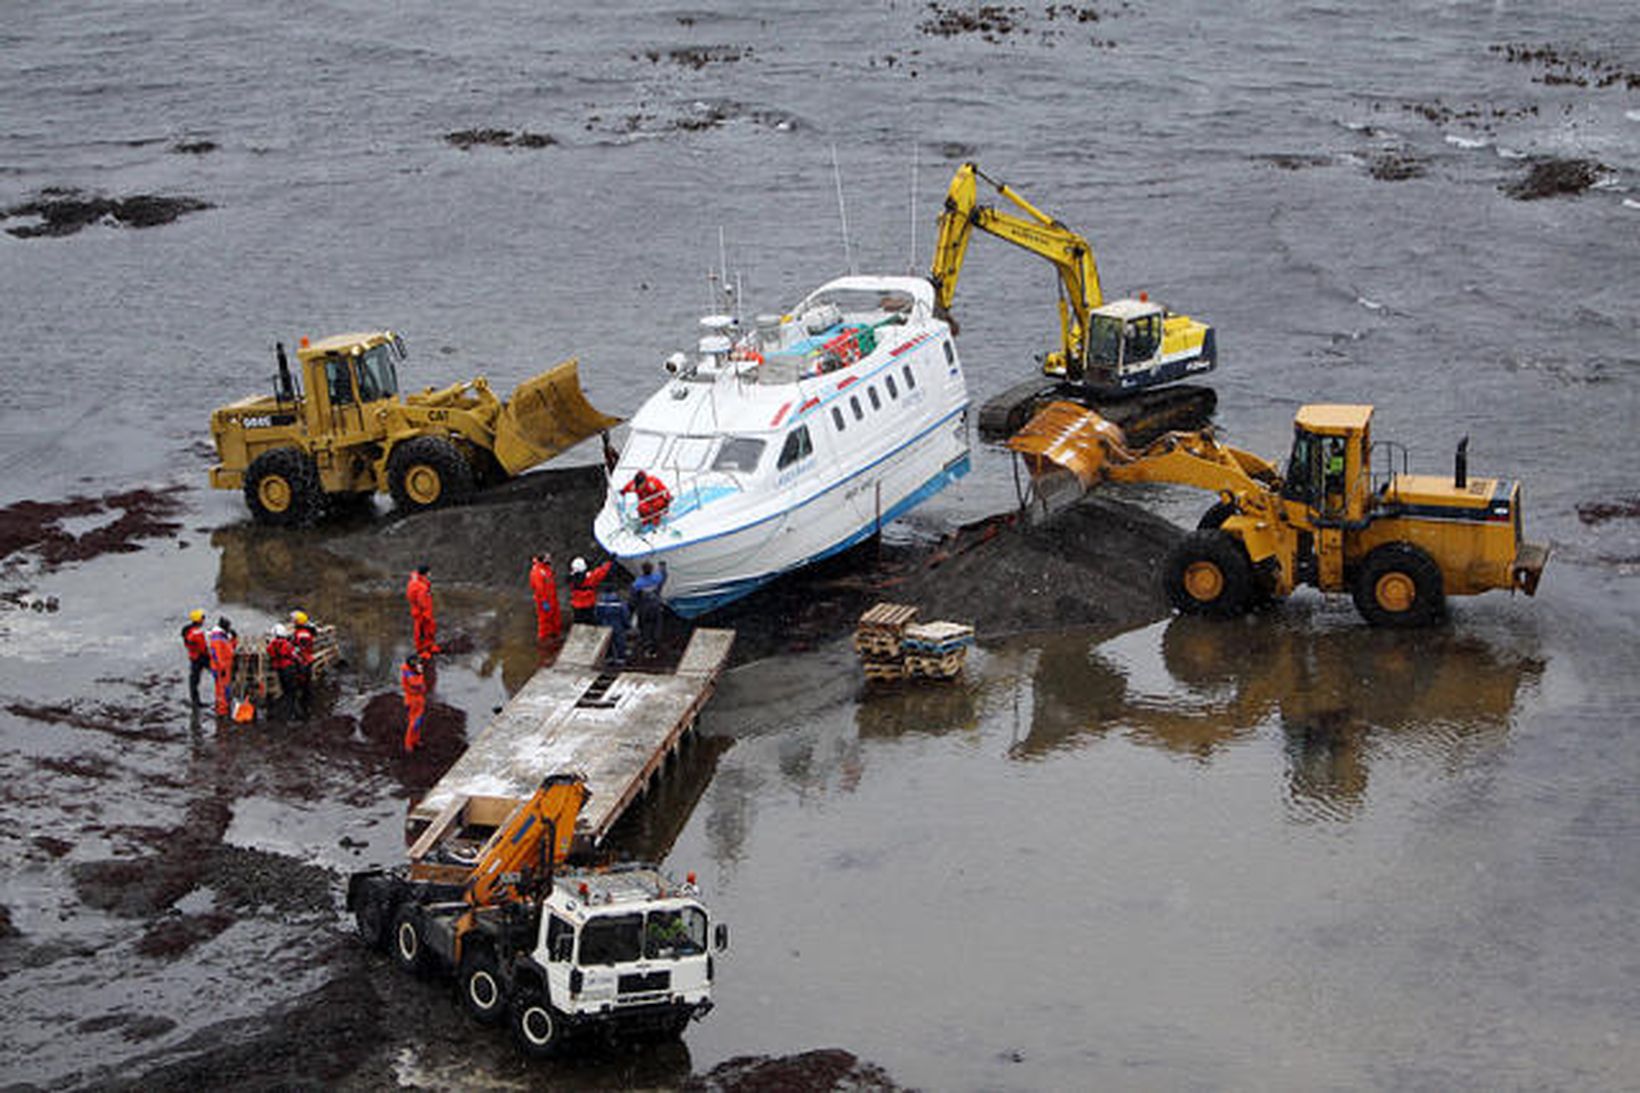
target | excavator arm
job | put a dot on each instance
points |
(1070, 254)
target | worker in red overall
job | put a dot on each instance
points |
(222, 643)
(282, 659)
(419, 591)
(199, 654)
(653, 498)
(583, 588)
(414, 683)
(305, 638)
(544, 590)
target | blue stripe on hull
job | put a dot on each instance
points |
(700, 603)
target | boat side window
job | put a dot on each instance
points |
(797, 447)
(876, 403)
(893, 391)
(739, 453)
(837, 417)
(910, 377)
(612, 939)
(854, 404)
(950, 355)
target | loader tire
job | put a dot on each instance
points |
(426, 472)
(282, 489)
(1399, 585)
(538, 1028)
(1208, 573)
(481, 993)
(409, 946)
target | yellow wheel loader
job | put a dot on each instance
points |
(341, 431)
(1398, 543)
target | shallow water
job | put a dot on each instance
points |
(1287, 852)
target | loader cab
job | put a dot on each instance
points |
(347, 376)
(1327, 471)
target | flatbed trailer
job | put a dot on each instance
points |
(613, 727)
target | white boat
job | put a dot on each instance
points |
(792, 439)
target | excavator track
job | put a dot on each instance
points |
(1142, 416)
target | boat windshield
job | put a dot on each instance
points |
(739, 454)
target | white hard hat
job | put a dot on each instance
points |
(579, 565)
(280, 630)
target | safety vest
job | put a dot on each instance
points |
(281, 653)
(583, 590)
(303, 641)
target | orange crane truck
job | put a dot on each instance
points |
(555, 951)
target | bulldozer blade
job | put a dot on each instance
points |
(546, 416)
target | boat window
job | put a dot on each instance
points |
(642, 450)
(854, 404)
(797, 447)
(893, 391)
(910, 378)
(739, 453)
(876, 403)
(690, 452)
(837, 417)
(950, 356)
(611, 939)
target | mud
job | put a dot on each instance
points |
(1570, 66)
(1598, 512)
(698, 57)
(37, 526)
(1555, 178)
(468, 139)
(809, 1072)
(194, 147)
(60, 211)
(1394, 166)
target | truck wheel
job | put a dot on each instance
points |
(1209, 574)
(425, 472)
(538, 1027)
(282, 488)
(1399, 585)
(372, 920)
(480, 982)
(409, 947)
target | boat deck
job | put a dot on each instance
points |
(613, 727)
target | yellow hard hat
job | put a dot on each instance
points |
(298, 617)
(196, 615)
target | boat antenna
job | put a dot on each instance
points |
(723, 266)
(911, 266)
(842, 213)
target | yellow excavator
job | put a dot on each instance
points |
(1399, 543)
(344, 431)
(1122, 357)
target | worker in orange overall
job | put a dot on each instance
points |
(583, 588)
(414, 683)
(544, 590)
(222, 643)
(653, 498)
(199, 653)
(419, 591)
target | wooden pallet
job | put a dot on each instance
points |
(254, 676)
(878, 634)
(947, 666)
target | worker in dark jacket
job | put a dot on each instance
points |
(199, 653)
(646, 606)
(583, 588)
(612, 612)
(305, 638)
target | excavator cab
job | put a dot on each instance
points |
(1124, 337)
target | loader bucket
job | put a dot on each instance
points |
(1066, 436)
(545, 416)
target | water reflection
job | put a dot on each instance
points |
(1339, 695)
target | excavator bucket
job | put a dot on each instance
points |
(545, 416)
(1066, 437)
